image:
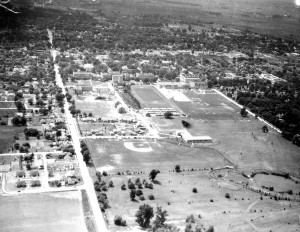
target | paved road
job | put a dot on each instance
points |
(88, 184)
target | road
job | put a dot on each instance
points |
(88, 183)
(152, 133)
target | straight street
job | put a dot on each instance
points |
(88, 183)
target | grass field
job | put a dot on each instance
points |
(49, 212)
(97, 108)
(6, 137)
(131, 155)
(241, 139)
(173, 191)
(149, 97)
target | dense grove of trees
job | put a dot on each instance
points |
(277, 103)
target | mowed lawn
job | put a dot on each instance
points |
(144, 155)
(210, 106)
(149, 97)
(6, 137)
(51, 212)
(240, 139)
(97, 108)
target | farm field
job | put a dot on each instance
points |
(258, 16)
(50, 212)
(254, 15)
(149, 97)
(6, 137)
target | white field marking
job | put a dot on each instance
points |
(130, 146)
(105, 168)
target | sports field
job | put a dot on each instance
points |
(208, 105)
(149, 97)
(173, 191)
(51, 212)
(144, 155)
(241, 139)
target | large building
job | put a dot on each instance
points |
(188, 138)
(83, 75)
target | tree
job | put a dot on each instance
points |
(210, 229)
(177, 168)
(144, 215)
(99, 175)
(244, 112)
(265, 129)
(119, 221)
(209, 84)
(132, 194)
(30, 101)
(160, 218)
(19, 106)
(168, 114)
(153, 174)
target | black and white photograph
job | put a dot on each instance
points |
(149, 115)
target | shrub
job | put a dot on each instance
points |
(119, 221)
(150, 186)
(140, 186)
(211, 200)
(227, 195)
(142, 198)
(139, 192)
(104, 188)
(195, 190)
(151, 197)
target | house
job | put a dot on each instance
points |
(117, 78)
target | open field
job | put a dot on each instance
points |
(42, 212)
(144, 155)
(98, 108)
(275, 17)
(149, 97)
(279, 183)
(240, 139)
(210, 106)
(6, 137)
